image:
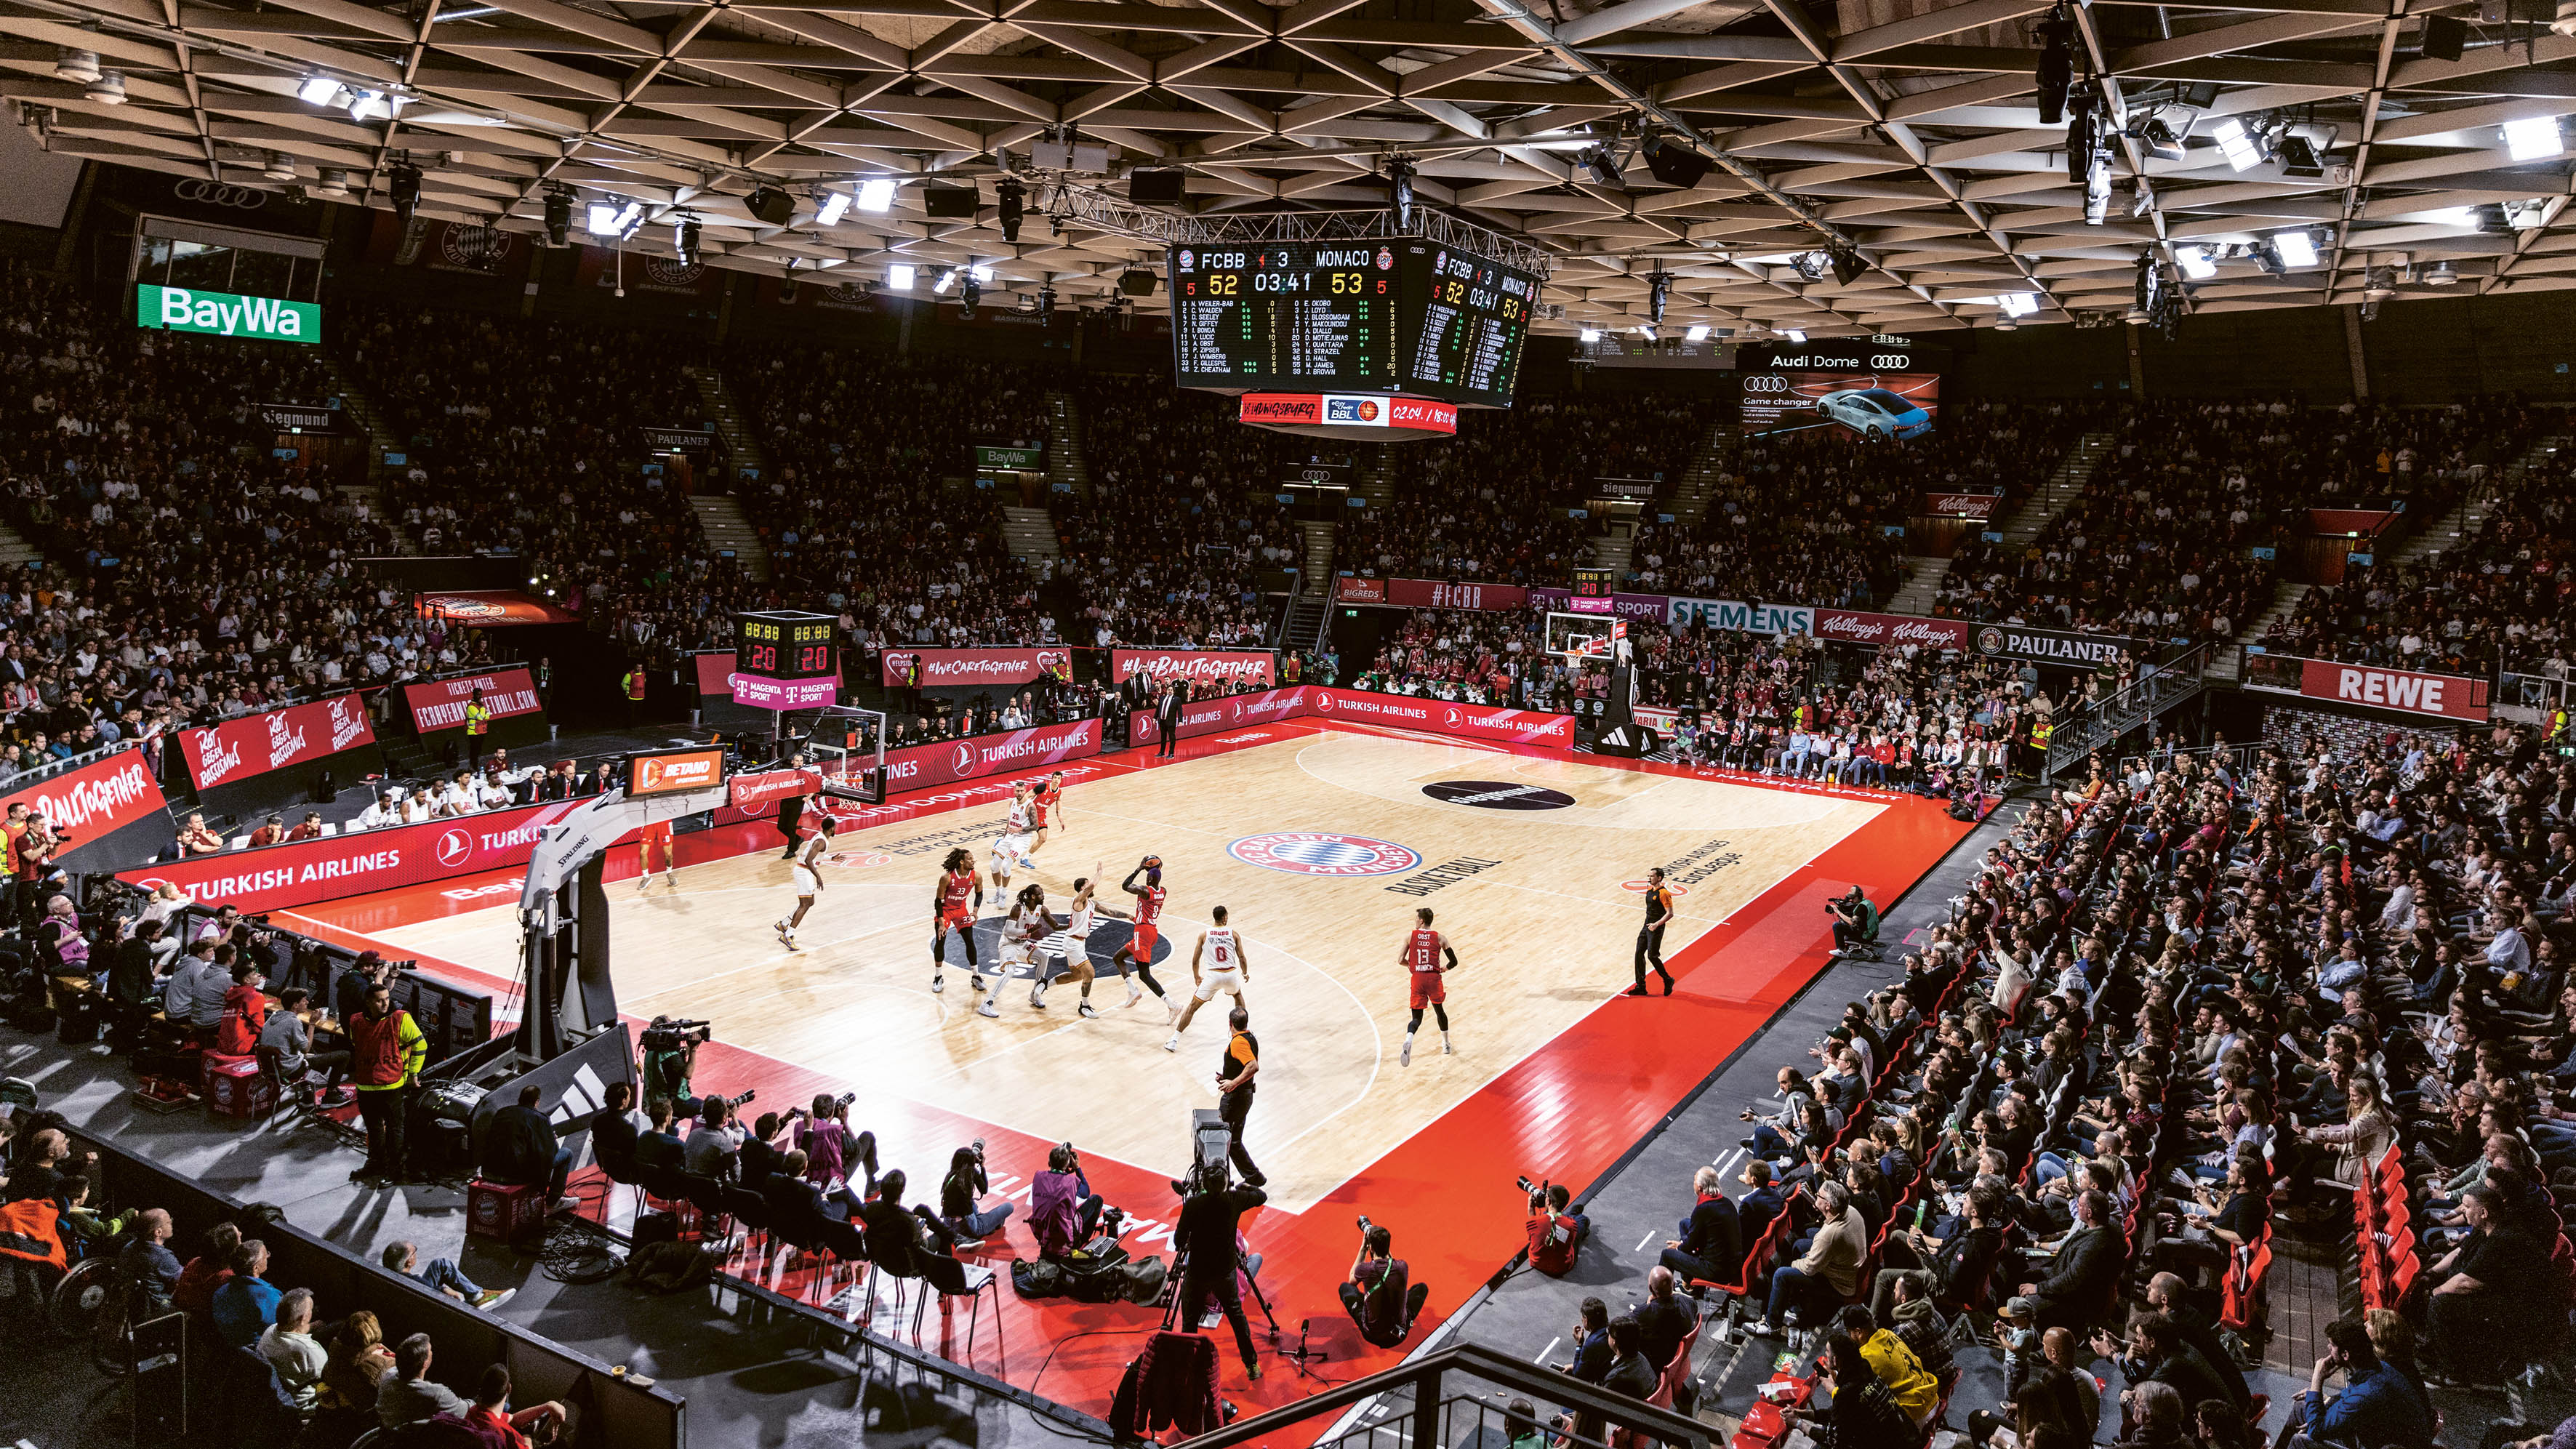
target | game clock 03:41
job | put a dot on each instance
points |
(774, 646)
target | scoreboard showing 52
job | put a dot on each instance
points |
(783, 660)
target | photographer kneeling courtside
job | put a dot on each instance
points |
(1378, 1296)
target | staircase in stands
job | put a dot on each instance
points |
(721, 519)
(1030, 535)
(16, 553)
(1688, 501)
(1614, 549)
(2065, 484)
(1065, 461)
(732, 423)
(1310, 614)
(381, 443)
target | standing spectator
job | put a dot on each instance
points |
(387, 1052)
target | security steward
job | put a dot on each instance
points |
(387, 1052)
(633, 684)
(478, 723)
(1650, 937)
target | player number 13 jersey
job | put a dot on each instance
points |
(1422, 953)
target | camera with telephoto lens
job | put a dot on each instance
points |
(1365, 1225)
(665, 1035)
(736, 1103)
(1528, 1186)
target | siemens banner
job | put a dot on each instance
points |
(177, 309)
(1737, 617)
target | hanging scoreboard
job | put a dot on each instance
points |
(783, 660)
(1385, 314)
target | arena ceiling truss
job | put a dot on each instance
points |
(2417, 148)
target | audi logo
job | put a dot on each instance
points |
(1766, 382)
(1897, 360)
(216, 193)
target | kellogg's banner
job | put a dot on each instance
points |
(949, 668)
(917, 766)
(1853, 627)
(95, 801)
(1961, 505)
(440, 704)
(1472, 721)
(1198, 666)
(1742, 618)
(1430, 594)
(253, 745)
(299, 874)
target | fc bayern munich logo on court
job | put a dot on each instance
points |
(1315, 852)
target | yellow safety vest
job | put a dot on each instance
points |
(635, 684)
(477, 719)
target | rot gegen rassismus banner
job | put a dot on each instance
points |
(951, 668)
(1198, 666)
(254, 745)
(440, 704)
(278, 876)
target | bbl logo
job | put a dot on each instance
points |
(1990, 640)
(1316, 852)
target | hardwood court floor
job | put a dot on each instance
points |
(1544, 934)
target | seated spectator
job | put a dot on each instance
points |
(1897, 1367)
(245, 1011)
(407, 1394)
(292, 1350)
(1827, 1274)
(147, 1260)
(194, 1293)
(289, 1033)
(519, 1147)
(359, 1361)
(442, 1274)
(1662, 1321)
(2157, 1416)
(491, 1417)
(246, 1304)
(1711, 1245)
(2377, 1408)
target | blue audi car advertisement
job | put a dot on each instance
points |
(1877, 391)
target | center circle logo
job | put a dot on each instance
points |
(1497, 795)
(1317, 852)
(454, 847)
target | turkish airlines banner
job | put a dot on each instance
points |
(102, 796)
(1470, 721)
(1961, 505)
(1198, 666)
(949, 668)
(440, 704)
(750, 792)
(1234, 711)
(278, 876)
(255, 744)
(1853, 627)
(2446, 695)
(918, 766)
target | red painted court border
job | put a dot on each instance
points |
(1566, 1112)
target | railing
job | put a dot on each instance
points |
(1450, 1396)
(2537, 694)
(2158, 687)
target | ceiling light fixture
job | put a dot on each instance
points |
(2442, 275)
(107, 90)
(2297, 248)
(277, 167)
(317, 90)
(2534, 138)
(2055, 69)
(1697, 333)
(2195, 263)
(1012, 199)
(1589, 334)
(947, 279)
(876, 194)
(1647, 332)
(333, 183)
(1794, 334)
(76, 65)
(836, 204)
(1604, 164)
(899, 276)
(2018, 304)
(2237, 144)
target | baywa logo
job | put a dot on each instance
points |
(963, 764)
(1990, 640)
(1353, 410)
(1497, 795)
(455, 848)
(1315, 852)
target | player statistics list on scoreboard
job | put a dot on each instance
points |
(1317, 315)
(1475, 316)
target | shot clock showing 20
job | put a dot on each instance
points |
(783, 660)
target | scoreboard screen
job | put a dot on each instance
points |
(783, 645)
(1395, 314)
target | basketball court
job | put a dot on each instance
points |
(1321, 840)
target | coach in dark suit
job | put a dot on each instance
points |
(2085, 1280)
(1167, 716)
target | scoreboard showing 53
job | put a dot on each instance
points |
(1369, 315)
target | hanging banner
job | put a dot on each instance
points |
(678, 440)
(240, 749)
(440, 704)
(1010, 458)
(1850, 626)
(2447, 696)
(2055, 646)
(948, 668)
(304, 418)
(1198, 666)
(916, 766)
(1737, 617)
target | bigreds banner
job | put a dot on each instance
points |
(951, 668)
(440, 704)
(1198, 666)
(253, 745)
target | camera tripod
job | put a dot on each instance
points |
(1181, 1319)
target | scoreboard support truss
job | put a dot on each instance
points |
(1108, 213)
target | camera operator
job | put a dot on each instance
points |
(1379, 1296)
(1063, 1210)
(1855, 921)
(1555, 1234)
(670, 1055)
(349, 990)
(1205, 1240)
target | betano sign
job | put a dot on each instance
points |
(177, 309)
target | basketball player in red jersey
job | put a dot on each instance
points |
(656, 840)
(1139, 950)
(1049, 800)
(1422, 959)
(953, 903)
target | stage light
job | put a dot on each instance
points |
(2465, 217)
(1697, 333)
(2162, 141)
(836, 204)
(2097, 190)
(2297, 248)
(1046, 306)
(2195, 263)
(982, 272)
(317, 90)
(333, 184)
(2018, 304)
(876, 194)
(899, 277)
(2534, 138)
(1793, 334)
(2236, 144)
(107, 90)
(2528, 214)
(403, 186)
(968, 294)
(1590, 334)
(368, 105)
(2442, 275)
(602, 220)
(1847, 266)
(1399, 191)
(947, 279)
(1013, 200)
(1659, 289)
(558, 217)
(684, 239)
(80, 66)
(1604, 164)
(278, 167)
(2299, 157)
(2055, 70)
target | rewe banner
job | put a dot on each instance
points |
(278, 876)
(253, 745)
(1851, 626)
(440, 704)
(917, 766)
(2446, 695)
(1198, 666)
(948, 668)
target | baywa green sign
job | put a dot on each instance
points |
(177, 309)
(1025, 460)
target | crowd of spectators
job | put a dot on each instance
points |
(2495, 601)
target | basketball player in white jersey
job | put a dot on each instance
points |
(1011, 848)
(807, 877)
(1421, 958)
(1075, 962)
(1022, 929)
(1217, 964)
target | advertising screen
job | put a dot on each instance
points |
(1866, 385)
